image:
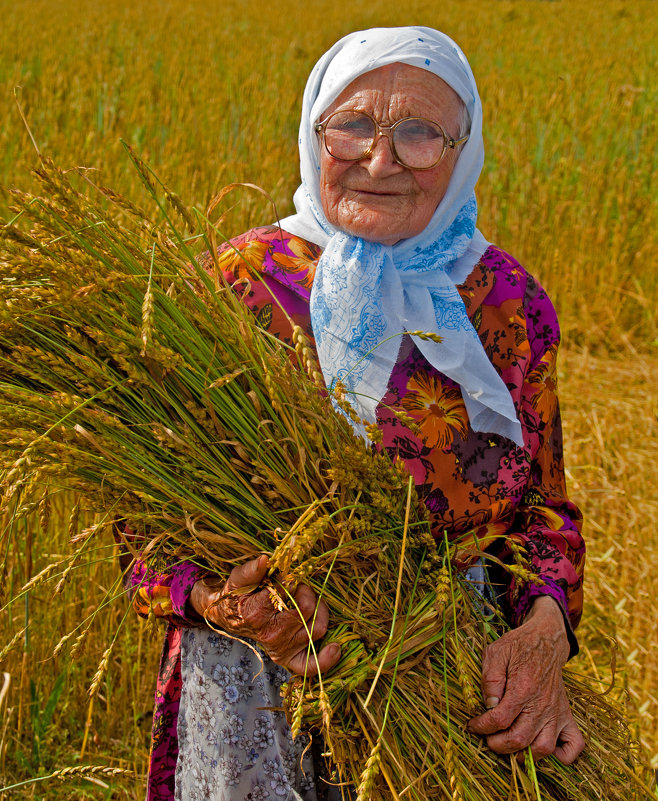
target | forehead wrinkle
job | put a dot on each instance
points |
(395, 91)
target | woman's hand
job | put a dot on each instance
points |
(523, 689)
(284, 635)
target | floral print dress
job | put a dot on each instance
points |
(234, 743)
(476, 486)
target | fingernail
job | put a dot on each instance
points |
(491, 701)
(335, 649)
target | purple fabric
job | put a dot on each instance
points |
(472, 484)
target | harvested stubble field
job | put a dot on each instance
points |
(212, 95)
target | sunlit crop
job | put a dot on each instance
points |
(210, 94)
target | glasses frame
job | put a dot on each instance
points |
(380, 130)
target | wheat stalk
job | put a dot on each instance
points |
(219, 470)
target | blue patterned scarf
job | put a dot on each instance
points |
(366, 295)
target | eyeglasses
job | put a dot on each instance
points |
(416, 143)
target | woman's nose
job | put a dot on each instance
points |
(381, 161)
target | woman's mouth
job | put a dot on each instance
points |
(377, 192)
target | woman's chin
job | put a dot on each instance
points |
(387, 228)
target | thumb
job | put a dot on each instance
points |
(494, 675)
(251, 573)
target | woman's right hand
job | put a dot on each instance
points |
(284, 635)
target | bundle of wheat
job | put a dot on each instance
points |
(135, 379)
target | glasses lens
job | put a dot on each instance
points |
(419, 143)
(348, 135)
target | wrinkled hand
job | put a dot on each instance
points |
(524, 692)
(284, 635)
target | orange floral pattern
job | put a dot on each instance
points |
(438, 409)
(543, 383)
(485, 492)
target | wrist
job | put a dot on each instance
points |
(198, 601)
(546, 613)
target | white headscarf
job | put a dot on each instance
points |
(365, 294)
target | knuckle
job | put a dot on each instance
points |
(300, 663)
(265, 639)
(539, 751)
(236, 576)
(499, 746)
(320, 629)
(498, 718)
(305, 597)
(306, 611)
(496, 645)
(516, 742)
(300, 639)
(270, 637)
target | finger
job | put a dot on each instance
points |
(498, 719)
(314, 626)
(515, 739)
(570, 743)
(303, 662)
(502, 693)
(284, 643)
(320, 622)
(248, 574)
(306, 601)
(285, 636)
(533, 727)
(315, 613)
(544, 743)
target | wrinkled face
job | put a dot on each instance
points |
(376, 198)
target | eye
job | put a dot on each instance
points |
(351, 123)
(418, 131)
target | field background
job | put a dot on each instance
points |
(210, 93)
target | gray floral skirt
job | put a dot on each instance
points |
(234, 741)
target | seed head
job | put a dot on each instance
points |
(370, 773)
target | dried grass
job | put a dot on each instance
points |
(610, 417)
(569, 91)
(250, 466)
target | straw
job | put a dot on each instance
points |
(140, 381)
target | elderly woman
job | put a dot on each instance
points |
(384, 241)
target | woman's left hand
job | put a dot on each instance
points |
(523, 688)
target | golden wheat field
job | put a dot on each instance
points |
(210, 93)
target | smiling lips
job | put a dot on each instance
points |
(377, 192)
